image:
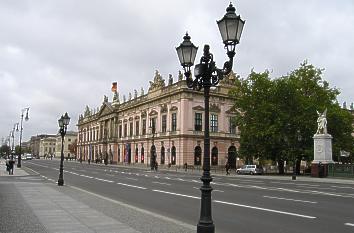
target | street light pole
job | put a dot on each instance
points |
(21, 130)
(208, 75)
(63, 124)
(13, 137)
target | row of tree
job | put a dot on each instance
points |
(277, 117)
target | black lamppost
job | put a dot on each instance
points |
(207, 75)
(13, 137)
(21, 129)
(153, 148)
(63, 124)
(299, 138)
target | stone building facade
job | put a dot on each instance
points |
(69, 139)
(167, 123)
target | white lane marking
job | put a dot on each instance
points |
(196, 181)
(342, 187)
(33, 170)
(157, 177)
(265, 209)
(160, 183)
(180, 179)
(176, 194)
(349, 224)
(109, 181)
(288, 199)
(239, 205)
(217, 190)
(312, 185)
(133, 186)
(146, 212)
(129, 178)
(167, 178)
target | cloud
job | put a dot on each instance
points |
(59, 56)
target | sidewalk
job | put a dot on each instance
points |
(50, 208)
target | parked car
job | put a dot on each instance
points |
(28, 156)
(250, 169)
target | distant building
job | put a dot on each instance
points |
(69, 138)
(121, 131)
(47, 146)
(35, 144)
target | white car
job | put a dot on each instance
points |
(250, 169)
(28, 156)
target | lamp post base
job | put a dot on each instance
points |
(60, 182)
(201, 228)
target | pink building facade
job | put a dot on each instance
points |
(122, 132)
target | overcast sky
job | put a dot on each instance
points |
(58, 56)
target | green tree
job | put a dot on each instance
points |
(277, 117)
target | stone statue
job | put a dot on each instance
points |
(345, 105)
(130, 96)
(87, 111)
(170, 79)
(115, 97)
(124, 99)
(105, 99)
(158, 82)
(142, 92)
(352, 106)
(322, 122)
(135, 94)
(180, 76)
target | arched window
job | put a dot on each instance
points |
(162, 155)
(142, 159)
(197, 156)
(231, 156)
(173, 155)
(136, 155)
(214, 156)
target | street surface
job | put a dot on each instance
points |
(241, 203)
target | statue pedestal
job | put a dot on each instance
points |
(322, 155)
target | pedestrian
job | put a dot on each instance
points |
(185, 166)
(156, 166)
(11, 166)
(89, 160)
(227, 168)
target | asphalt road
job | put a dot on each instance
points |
(241, 203)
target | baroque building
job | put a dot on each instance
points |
(167, 123)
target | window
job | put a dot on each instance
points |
(144, 127)
(214, 123)
(198, 121)
(125, 130)
(174, 122)
(137, 128)
(120, 131)
(197, 156)
(173, 155)
(69, 139)
(131, 129)
(153, 124)
(164, 123)
(232, 125)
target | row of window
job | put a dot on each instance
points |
(198, 126)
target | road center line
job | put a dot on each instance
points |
(155, 182)
(288, 199)
(265, 209)
(239, 205)
(133, 186)
(176, 194)
(349, 224)
(129, 178)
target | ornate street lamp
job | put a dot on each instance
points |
(13, 137)
(63, 124)
(207, 75)
(21, 129)
(153, 147)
